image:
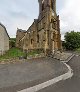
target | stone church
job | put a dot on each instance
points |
(44, 33)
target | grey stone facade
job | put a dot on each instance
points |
(4, 39)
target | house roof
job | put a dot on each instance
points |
(20, 30)
(4, 28)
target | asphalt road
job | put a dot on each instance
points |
(18, 76)
(70, 85)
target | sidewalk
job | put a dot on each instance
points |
(18, 76)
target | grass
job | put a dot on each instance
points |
(15, 52)
(32, 53)
(78, 50)
(12, 53)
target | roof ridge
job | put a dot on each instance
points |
(4, 28)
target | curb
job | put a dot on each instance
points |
(38, 87)
(68, 59)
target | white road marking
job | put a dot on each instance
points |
(38, 87)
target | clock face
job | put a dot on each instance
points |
(53, 13)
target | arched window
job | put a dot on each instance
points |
(31, 41)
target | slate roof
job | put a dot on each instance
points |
(21, 30)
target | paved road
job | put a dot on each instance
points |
(18, 76)
(70, 85)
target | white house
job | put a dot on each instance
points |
(4, 39)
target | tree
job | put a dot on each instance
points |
(12, 42)
(72, 40)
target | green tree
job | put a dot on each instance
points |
(12, 42)
(72, 40)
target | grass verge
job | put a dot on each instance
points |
(15, 53)
(12, 53)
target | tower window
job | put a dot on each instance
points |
(52, 4)
(42, 5)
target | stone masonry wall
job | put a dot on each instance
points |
(44, 33)
(4, 40)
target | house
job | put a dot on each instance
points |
(19, 35)
(4, 39)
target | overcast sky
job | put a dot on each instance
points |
(21, 13)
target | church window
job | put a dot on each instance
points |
(42, 5)
(31, 41)
(38, 38)
(48, 36)
(52, 20)
(53, 23)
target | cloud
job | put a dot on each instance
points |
(17, 13)
(70, 16)
(21, 14)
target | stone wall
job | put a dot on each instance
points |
(4, 40)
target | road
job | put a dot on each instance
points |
(18, 76)
(70, 85)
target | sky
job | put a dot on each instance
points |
(21, 13)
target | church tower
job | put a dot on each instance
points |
(50, 23)
(44, 33)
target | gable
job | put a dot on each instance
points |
(4, 29)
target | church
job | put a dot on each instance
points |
(44, 33)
